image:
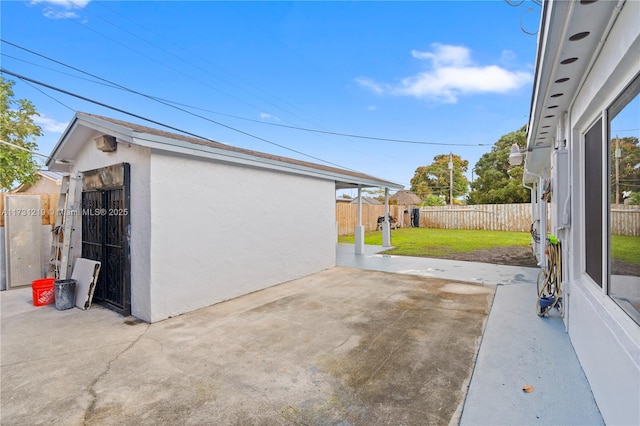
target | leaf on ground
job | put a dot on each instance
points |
(528, 388)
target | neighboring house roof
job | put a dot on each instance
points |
(406, 198)
(56, 176)
(86, 126)
(561, 39)
(367, 200)
(47, 174)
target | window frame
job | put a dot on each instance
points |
(628, 94)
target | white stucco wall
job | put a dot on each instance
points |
(220, 231)
(90, 158)
(606, 340)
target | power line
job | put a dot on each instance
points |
(52, 69)
(160, 62)
(174, 104)
(21, 77)
(224, 80)
(49, 96)
(24, 149)
(169, 66)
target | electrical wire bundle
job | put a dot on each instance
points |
(550, 279)
(535, 235)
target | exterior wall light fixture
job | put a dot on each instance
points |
(517, 155)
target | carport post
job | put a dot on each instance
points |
(359, 231)
(386, 226)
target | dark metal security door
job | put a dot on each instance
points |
(105, 233)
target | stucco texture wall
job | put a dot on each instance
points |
(90, 158)
(605, 339)
(220, 231)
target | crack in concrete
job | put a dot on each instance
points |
(94, 396)
(58, 355)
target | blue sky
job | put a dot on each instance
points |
(441, 72)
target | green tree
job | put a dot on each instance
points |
(628, 166)
(17, 166)
(435, 178)
(433, 200)
(497, 181)
(377, 193)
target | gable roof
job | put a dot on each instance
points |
(56, 177)
(404, 197)
(367, 200)
(84, 127)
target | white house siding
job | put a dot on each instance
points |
(90, 158)
(43, 186)
(220, 231)
(606, 340)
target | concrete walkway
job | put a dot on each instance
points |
(518, 348)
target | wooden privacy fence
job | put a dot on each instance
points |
(48, 207)
(486, 217)
(625, 220)
(347, 216)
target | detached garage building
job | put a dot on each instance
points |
(180, 223)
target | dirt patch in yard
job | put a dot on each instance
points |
(512, 255)
(523, 256)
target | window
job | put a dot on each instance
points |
(624, 201)
(593, 201)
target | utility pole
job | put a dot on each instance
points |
(617, 155)
(450, 178)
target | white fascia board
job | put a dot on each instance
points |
(553, 32)
(187, 148)
(123, 134)
(550, 42)
(70, 127)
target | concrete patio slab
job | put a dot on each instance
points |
(518, 348)
(375, 259)
(344, 346)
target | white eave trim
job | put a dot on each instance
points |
(162, 143)
(187, 148)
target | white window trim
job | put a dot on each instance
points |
(609, 310)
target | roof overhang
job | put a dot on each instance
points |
(86, 127)
(565, 56)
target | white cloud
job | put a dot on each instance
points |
(61, 9)
(372, 108)
(450, 74)
(445, 55)
(67, 4)
(372, 85)
(55, 14)
(49, 124)
(266, 116)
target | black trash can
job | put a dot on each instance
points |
(415, 218)
(65, 291)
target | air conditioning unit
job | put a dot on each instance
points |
(106, 143)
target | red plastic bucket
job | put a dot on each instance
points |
(43, 291)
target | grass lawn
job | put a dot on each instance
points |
(625, 248)
(438, 242)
